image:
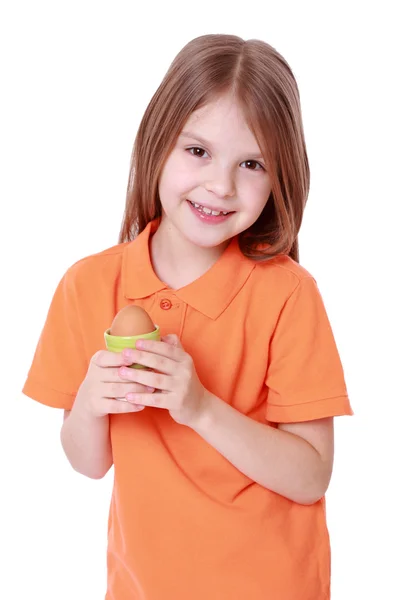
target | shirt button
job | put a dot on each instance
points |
(165, 304)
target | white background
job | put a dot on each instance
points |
(76, 78)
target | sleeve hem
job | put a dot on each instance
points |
(319, 409)
(47, 396)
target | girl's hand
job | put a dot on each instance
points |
(103, 392)
(177, 386)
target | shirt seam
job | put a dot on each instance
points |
(47, 387)
(115, 252)
(345, 395)
(289, 270)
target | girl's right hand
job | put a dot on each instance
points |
(103, 392)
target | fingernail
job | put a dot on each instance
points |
(127, 353)
(150, 389)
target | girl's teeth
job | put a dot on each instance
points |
(208, 211)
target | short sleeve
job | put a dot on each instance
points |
(59, 364)
(305, 378)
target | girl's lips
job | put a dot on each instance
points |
(200, 206)
(211, 219)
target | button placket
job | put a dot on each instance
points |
(168, 312)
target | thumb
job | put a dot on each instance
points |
(172, 339)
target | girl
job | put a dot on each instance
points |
(223, 449)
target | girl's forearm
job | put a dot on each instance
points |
(278, 460)
(86, 442)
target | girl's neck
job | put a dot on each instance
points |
(176, 261)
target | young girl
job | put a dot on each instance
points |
(223, 449)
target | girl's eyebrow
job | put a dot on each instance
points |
(195, 136)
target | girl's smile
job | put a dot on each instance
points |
(208, 215)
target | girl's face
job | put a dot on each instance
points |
(216, 165)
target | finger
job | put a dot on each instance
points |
(163, 364)
(119, 390)
(113, 374)
(106, 358)
(119, 406)
(151, 379)
(173, 340)
(161, 349)
(157, 400)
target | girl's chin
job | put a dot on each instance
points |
(206, 242)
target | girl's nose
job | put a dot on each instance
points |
(221, 183)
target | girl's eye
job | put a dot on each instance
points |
(246, 161)
(195, 148)
(255, 163)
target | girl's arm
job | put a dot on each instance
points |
(294, 460)
(86, 442)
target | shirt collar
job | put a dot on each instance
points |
(210, 294)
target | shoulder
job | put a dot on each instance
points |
(90, 266)
(94, 283)
(283, 273)
(89, 294)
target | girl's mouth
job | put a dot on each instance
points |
(207, 211)
(207, 215)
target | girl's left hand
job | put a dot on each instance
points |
(178, 388)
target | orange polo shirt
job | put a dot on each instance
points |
(184, 523)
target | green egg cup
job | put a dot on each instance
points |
(117, 343)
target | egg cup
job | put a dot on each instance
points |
(116, 343)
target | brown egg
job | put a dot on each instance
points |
(131, 320)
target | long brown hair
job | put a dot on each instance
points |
(261, 81)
